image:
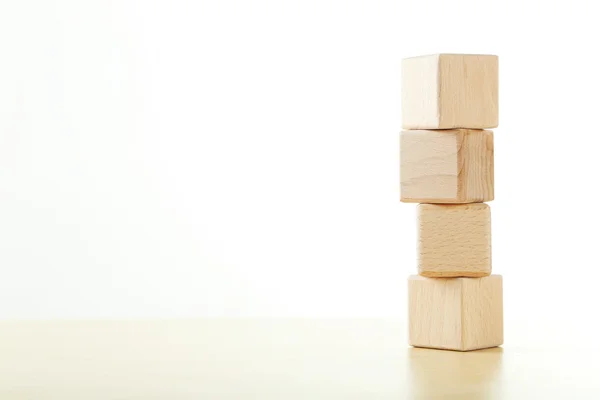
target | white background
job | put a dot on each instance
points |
(240, 158)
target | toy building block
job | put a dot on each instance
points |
(444, 91)
(454, 240)
(455, 314)
(451, 166)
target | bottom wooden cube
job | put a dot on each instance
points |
(455, 313)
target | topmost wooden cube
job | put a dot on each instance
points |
(445, 91)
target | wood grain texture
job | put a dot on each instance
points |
(455, 313)
(454, 240)
(449, 166)
(445, 91)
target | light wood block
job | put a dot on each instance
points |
(454, 240)
(455, 313)
(450, 166)
(444, 91)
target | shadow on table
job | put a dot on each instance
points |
(437, 374)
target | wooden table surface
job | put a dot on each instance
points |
(276, 359)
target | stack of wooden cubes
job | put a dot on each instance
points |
(447, 165)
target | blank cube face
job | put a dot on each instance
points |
(455, 313)
(454, 240)
(450, 166)
(445, 91)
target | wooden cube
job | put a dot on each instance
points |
(454, 240)
(444, 91)
(455, 313)
(454, 375)
(450, 166)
